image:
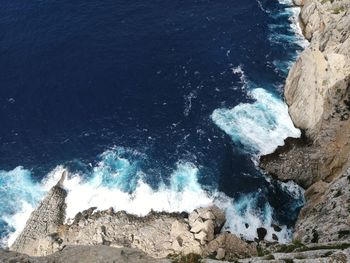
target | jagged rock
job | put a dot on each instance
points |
(317, 92)
(274, 237)
(276, 228)
(206, 222)
(220, 253)
(326, 215)
(39, 235)
(157, 234)
(323, 253)
(86, 254)
(231, 246)
(298, 2)
(262, 232)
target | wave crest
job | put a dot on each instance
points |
(260, 126)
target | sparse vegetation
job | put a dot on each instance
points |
(338, 10)
(269, 257)
(325, 82)
(343, 233)
(315, 236)
(341, 246)
(327, 254)
(338, 193)
(291, 247)
(190, 258)
(325, 1)
(262, 251)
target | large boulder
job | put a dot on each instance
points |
(206, 222)
(228, 246)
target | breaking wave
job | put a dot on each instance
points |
(117, 181)
(260, 127)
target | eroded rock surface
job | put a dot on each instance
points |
(86, 254)
(41, 228)
(317, 92)
(157, 234)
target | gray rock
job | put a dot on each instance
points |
(39, 236)
(317, 92)
(86, 254)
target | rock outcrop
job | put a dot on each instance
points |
(43, 223)
(157, 234)
(317, 92)
(86, 254)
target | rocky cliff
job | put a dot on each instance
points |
(317, 92)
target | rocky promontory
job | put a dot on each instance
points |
(317, 92)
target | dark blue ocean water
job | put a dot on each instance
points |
(138, 81)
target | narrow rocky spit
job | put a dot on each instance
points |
(317, 92)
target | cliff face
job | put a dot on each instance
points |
(317, 92)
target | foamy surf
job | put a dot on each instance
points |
(118, 182)
(282, 36)
(260, 127)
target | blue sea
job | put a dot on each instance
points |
(150, 105)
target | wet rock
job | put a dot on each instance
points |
(274, 237)
(276, 228)
(231, 246)
(86, 254)
(262, 232)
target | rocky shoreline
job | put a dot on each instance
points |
(317, 92)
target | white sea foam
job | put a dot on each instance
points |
(118, 182)
(294, 35)
(244, 219)
(293, 12)
(295, 26)
(260, 126)
(262, 7)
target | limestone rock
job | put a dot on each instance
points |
(231, 247)
(317, 92)
(326, 215)
(86, 254)
(42, 226)
(158, 234)
(206, 222)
